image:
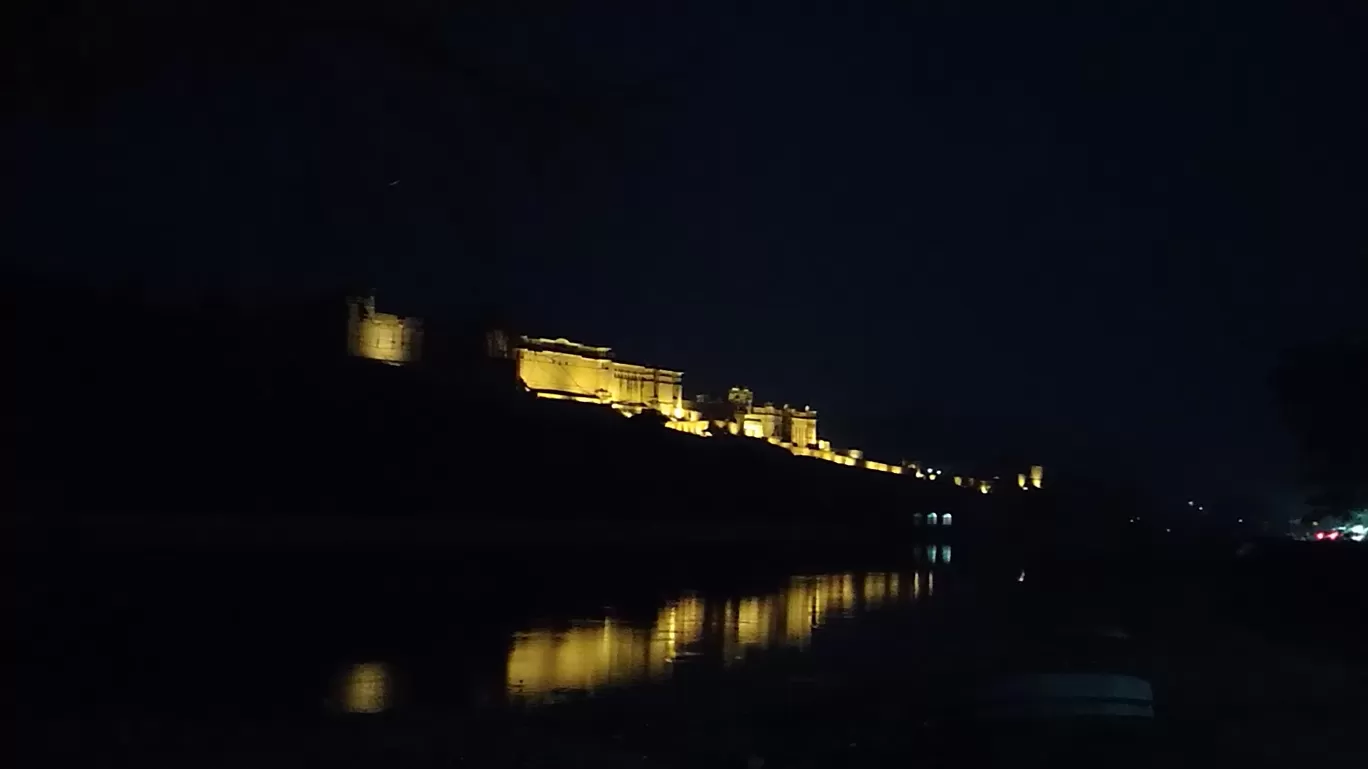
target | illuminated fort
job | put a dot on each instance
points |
(382, 336)
(560, 369)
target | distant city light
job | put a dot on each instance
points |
(1241, 520)
(1190, 503)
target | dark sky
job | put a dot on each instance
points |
(1071, 232)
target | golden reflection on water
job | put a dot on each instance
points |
(596, 654)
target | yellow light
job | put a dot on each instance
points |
(381, 336)
(798, 612)
(875, 589)
(366, 689)
(753, 621)
(1021, 480)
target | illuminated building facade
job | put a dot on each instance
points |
(559, 368)
(366, 688)
(380, 335)
(739, 415)
(565, 370)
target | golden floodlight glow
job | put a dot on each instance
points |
(594, 654)
(592, 375)
(875, 589)
(366, 689)
(1037, 476)
(381, 336)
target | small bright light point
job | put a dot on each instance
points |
(1241, 520)
(1169, 530)
(1189, 503)
(1320, 535)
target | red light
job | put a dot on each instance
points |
(1332, 535)
(1320, 535)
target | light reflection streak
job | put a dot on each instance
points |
(875, 589)
(592, 655)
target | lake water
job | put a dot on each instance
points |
(162, 635)
(667, 656)
(353, 640)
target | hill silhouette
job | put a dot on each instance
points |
(255, 408)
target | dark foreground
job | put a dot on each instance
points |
(660, 659)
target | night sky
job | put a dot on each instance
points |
(966, 231)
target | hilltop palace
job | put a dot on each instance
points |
(564, 370)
